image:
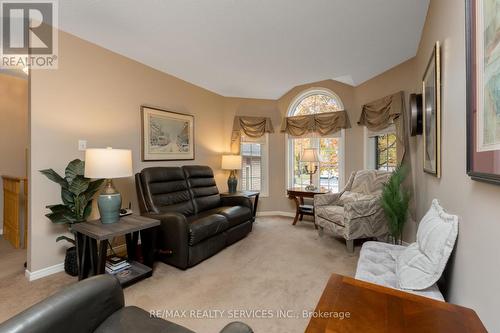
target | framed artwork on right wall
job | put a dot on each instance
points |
(483, 90)
(431, 104)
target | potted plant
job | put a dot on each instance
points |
(395, 202)
(77, 193)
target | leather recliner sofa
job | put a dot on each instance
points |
(196, 221)
(94, 305)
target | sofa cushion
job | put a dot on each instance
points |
(202, 186)
(132, 319)
(377, 264)
(421, 264)
(205, 225)
(334, 214)
(236, 214)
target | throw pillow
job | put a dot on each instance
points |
(421, 264)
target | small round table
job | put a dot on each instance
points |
(298, 194)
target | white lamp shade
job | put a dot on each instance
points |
(310, 155)
(108, 163)
(231, 162)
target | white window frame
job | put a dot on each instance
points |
(289, 144)
(369, 152)
(264, 191)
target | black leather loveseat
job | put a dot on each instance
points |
(94, 305)
(196, 222)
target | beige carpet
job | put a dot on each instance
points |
(276, 267)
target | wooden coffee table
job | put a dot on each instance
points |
(298, 194)
(373, 308)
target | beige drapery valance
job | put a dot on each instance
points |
(320, 123)
(253, 127)
(384, 112)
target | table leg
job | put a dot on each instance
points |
(132, 240)
(81, 243)
(103, 253)
(297, 210)
(255, 203)
(93, 256)
(148, 246)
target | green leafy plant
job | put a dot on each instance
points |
(77, 193)
(395, 202)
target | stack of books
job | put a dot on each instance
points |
(115, 265)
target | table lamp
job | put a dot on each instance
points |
(108, 163)
(233, 163)
(310, 156)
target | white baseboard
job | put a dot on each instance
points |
(31, 276)
(275, 213)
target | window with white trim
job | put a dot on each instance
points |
(254, 164)
(331, 148)
(381, 151)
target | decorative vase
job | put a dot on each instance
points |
(232, 182)
(71, 262)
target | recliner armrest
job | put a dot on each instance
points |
(237, 327)
(79, 308)
(236, 200)
(172, 237)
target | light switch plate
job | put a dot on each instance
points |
(82, 145)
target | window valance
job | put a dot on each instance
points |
(382, 113)
(319, 123)
(253, 127)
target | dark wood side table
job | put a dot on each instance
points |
(298, 194)
(373, 308)
(91, 234)
(248, 194)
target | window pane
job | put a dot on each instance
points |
(318, 103)
(329, 166)
(300, 177)
(251, 170)
(386, 152)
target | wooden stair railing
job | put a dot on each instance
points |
(15, 210)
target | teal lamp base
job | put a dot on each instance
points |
(109, 202)
(232, 182)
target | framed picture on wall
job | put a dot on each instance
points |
(166, 135)
(431, 102)
(483, 90)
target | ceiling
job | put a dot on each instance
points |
(254, 48)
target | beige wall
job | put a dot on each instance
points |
(475, 269)
(96, 95)
(13, 129)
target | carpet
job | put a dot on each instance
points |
(266, 280)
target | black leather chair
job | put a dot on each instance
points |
(94, 305)
(196, 222)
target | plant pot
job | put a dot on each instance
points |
(71, 262)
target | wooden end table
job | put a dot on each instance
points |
(248, 194)
(373, 308)
(298, 194)
(92, 261)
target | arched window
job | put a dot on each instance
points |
(330, 148)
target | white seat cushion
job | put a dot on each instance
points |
(377, 264)
(421, 264)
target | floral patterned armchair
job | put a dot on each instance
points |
(355, 212)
